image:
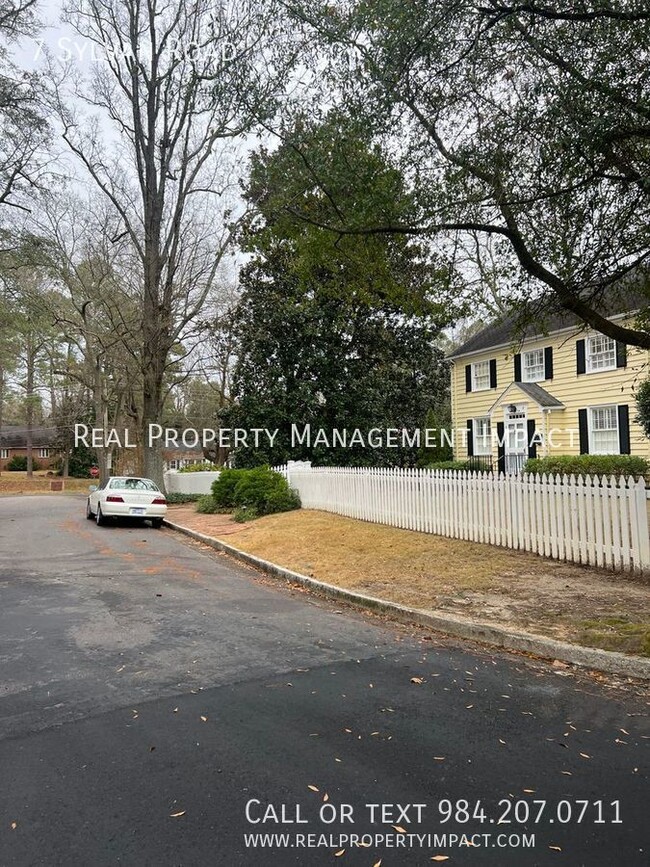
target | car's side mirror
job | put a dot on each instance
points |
(92, 488)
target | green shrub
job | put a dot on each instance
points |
(206, 505)
(259, 491)
(223, 488)
(244, 513)
(179, 499)
(19, 464)
(589, 465)
(460, 465)
(204, 467)
(265, 491)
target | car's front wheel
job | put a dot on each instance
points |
(99, 518)
(89, 514)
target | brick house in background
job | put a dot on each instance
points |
(13, 442)
(182, 456)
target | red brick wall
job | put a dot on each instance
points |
(43, 463)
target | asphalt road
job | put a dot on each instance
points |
(150, 690)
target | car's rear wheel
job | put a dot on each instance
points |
(156, 523)
(89, 514)
(99, 518)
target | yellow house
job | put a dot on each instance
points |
(568, 391)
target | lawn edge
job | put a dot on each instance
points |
(592, 658)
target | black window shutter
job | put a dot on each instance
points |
(548, 362)
(493, 373)
(518, 367)
(624, 429)
(468, 377)
(581, 361)
(621, 361)
(583, 428)
(532, 444)
(470, 437)
(501, 447)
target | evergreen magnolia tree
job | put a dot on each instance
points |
(335, 334)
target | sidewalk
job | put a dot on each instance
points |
(464, 581)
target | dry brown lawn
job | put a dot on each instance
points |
(488, 583)
(18, 483)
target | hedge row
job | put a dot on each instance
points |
(589, 465)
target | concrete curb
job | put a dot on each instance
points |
(486, 633)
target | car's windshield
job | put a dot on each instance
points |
(133, 485)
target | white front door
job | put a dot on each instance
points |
(516, 437)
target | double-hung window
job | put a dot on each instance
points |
(532, 368)
(601, 353)
(603, 430)
(481, 376)
(482, 436)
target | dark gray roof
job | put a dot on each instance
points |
(510, 330)
(539, 395)
(15, 437)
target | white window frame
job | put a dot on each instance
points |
(591, 430)
(482, 442)
(592, 358)
(4, 454)
(476, 377)
(526, 367)
(43, 453)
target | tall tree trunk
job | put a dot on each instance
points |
(152, 414)
(101, 417)
(2, 398)
(29, 410)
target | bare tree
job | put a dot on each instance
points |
(181, 85)
(23, 129)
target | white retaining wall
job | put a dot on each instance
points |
(189, 483)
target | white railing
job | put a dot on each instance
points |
(584, 519)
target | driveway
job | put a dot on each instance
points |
(150, 690)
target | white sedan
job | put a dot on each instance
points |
(126, 497)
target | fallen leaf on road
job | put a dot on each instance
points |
(339, 853)
(14, 825)
(555, 848)
(585, 756)
(440, 858)
(567, 773)
(177, 815)
(175, 710)
(204, 719)
(313, 788)
(399, 829)
(337, 760)
(529, 791)
(377, 863)
(438, 758)
(326, 798)
(501, 742)
(417, 680)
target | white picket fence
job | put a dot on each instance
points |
(601, 522)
